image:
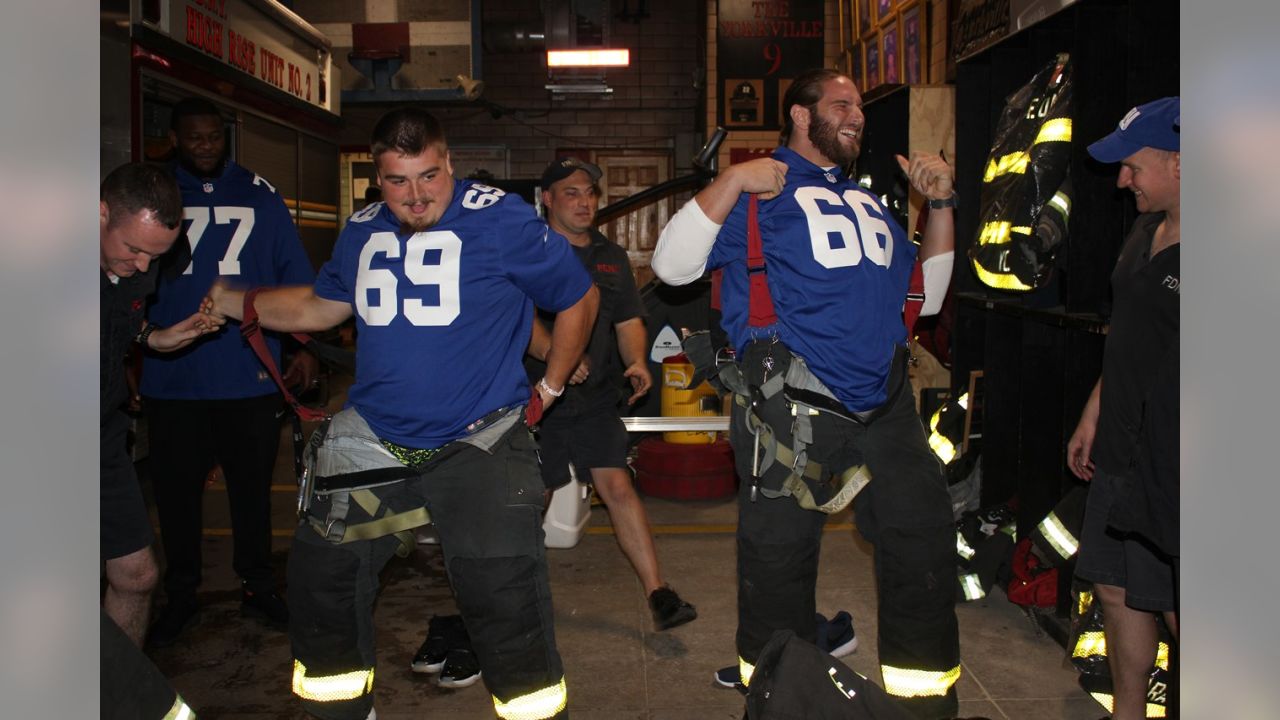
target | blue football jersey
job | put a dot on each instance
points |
(838, 266)
(443, 316)
(239, 229)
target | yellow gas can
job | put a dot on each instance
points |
(700, 401)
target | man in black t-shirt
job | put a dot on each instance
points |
(1132, 557)
(584, 427)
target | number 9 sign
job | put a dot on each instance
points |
(773, 53)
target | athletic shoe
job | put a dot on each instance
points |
(728, 677)
(443, 632)
(668, 609)
(836, 636)
(264, 605)
(461, 669)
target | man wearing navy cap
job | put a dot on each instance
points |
(584, 427)
(1126, 442)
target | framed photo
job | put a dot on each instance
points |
(913, 60)
(889, 53)
(855, 66)
(872, 64)
(884, 8)
(864, 17)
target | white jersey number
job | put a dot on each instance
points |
(480, 196)
(431, 259)
(869, 237)
(222, 215)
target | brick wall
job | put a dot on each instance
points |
(653, 101)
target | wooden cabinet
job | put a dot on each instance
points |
(900, 119)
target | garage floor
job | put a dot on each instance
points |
(617, 668)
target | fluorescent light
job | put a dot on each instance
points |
(589, 58)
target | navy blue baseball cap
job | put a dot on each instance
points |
(561, 168)
(1156, 125)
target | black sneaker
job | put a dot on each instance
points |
(175, 617)
(265, 605)
(729, 677)
(668, 609)
(836, 636)
(443, 632)
(461, 669)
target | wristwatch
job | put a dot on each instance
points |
(141, 337)
(944, 202)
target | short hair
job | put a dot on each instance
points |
(192, 107)
(409, 131)
(142, 187)
(805, 90)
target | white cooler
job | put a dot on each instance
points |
(568, 513)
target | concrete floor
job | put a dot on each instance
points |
(617, 668)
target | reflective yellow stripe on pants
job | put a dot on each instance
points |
(745, 670)
(904, 682)
(179, 711)
(329, 688)
(537, 705)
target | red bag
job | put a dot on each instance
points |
(1032, 585)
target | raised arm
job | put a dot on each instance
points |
(285, 309)
(932, 177)
(680, 256)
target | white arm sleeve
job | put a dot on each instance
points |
(680, 256)
(937, 277)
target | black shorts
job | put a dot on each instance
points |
(1110, 557)
(124, 524)
(594, 439)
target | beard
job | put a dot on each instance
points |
(825, 136)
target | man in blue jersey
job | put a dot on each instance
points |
(215, 403)
(836, 268)
(442, 278)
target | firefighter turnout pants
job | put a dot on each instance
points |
(487, 508)
(905, 512)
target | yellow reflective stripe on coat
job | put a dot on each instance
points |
(903, 682)
(1056, 130)
(537, 705)
(745, 670)
(179, 711)
(1015, 163)
(1095, 643)
(1106, 701)
(1084, 603)
(329, 688)
(1061, 202)
(963, 548)
(1090, 643)
(1063, 542)
(998, 280)
(972, 587)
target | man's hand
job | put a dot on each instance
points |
(222, 302)
(581, 372)
(1079, 448)
(764, 176)
(641, 380)
(930, 175)
(303, 371)
(176, 337)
